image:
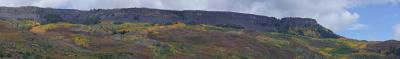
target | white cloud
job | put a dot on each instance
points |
(358, 27)
(396, 34)
(14, 3)
(332, 14)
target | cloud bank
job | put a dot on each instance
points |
(396, 29)
(332, 14)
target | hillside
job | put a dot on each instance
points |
(291, 25)
(141, 33)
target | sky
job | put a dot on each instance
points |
(375, 20)
(382, 23)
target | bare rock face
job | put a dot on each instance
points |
(292, 25)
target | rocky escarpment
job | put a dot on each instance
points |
(292, 25)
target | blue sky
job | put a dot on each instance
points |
(358, 19)
(379, 21)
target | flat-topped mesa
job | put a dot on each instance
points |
(306, 27)
(291, 25)
(296, 21)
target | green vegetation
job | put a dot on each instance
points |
(28, 39)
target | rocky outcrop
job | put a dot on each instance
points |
(292, 25)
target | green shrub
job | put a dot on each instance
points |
(113, 56)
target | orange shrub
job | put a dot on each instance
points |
(81, 40)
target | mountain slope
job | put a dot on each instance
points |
(45, 33)
(175, 41)
(292, 25)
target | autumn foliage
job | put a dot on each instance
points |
(111, 40)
